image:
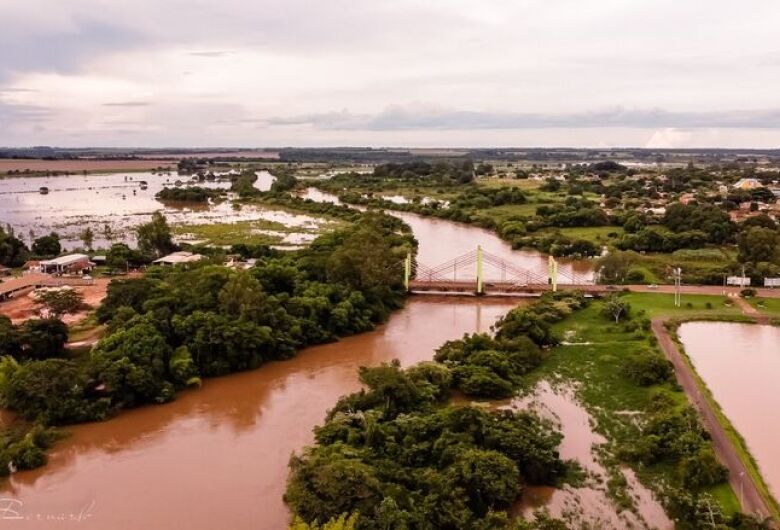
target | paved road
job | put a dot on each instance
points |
(740, 480)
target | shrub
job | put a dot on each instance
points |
(648, 368)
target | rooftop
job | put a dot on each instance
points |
(66, 260)
(179, 257)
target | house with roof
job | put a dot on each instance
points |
(747, 184)
(178, 258)
(69, 264)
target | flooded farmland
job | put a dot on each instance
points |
(122, 201)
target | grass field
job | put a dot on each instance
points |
(259, 232)
(768, 306)
(693, 305)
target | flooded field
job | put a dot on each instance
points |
(119, 202)
(739, 363)
(588, 505)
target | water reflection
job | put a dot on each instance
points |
(739, 363)
(117, 200)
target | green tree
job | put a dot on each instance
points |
(43, 338)
(87, 237)
(13, 251)
(47, 246)
(132, 364)
(365, 261)
(59, 302)
(757, 244)
(155, 237)
(616, 309)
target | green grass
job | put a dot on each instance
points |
(768, 306)
(593, 233)
(592, 359)
(661, 304)
(503, 213)
(234, 233)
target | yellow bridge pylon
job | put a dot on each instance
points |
(552, 266)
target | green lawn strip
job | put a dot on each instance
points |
(593, 361)
(503, 213)
(593, 233)
(734, 436)
(693, 305)
(768, 306)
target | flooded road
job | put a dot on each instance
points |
(739, 363)
(116, 200)
(217, 457)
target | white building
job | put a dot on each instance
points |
(178, 258)
(75, 263)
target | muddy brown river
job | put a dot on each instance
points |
(740, 364)
(217, 457)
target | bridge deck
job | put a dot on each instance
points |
(495, 287)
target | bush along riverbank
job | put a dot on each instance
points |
(465, 208)
(401, 454)
(174, 326)
(398, 454)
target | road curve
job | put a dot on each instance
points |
(741, 481)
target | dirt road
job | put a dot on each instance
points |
(740, 480)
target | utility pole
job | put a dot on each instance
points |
(479, 269)
(677, 286)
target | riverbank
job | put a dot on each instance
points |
(237, 430)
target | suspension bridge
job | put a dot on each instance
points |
(481, 273)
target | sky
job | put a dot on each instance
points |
(415, 73)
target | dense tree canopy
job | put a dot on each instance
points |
(175, 325)
(47, 246)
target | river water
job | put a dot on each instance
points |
(217, 457)
(740, 364)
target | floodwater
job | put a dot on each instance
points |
(588, 505)
(739, 364)
(217, 457)
(442, 240)
(117, 200)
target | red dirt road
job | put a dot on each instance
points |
(740, 480)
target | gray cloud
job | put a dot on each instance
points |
(211, 54)
(413, 118)
(24, 47)
(12, 113)
(127, 104)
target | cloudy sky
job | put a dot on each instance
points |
(654, 73)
